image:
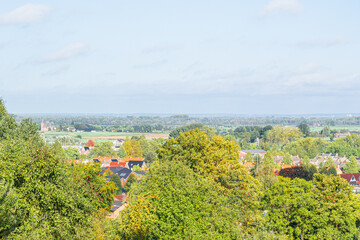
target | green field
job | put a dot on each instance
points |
(85, 136)
(94, 134)
(338, 128)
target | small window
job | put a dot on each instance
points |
(352, 178)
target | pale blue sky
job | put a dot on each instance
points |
(247, 57)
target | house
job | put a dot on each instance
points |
(126, 159)
(341, 135)
(117, 164)
(295, 160)
(131, 164)
(353, 179)
(339, 161)
(338, 171)
(254, 152)
(118, 142)
(123, 173)
(249, 165)
(117, 207)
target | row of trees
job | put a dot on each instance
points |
(170, 122)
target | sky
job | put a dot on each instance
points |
(181, 57)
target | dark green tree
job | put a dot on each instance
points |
(116, 180)
(304, 128)
(129, 183)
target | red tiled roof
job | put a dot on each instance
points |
(249, 164)
(117, 164)
(241, 154)
(348, 176)
(126, 159)
(119, 197)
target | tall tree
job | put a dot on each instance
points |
(174, 202)
(325, 208)
(58, 151)
(103, 149)
(116, 180)
(352, 166)
(122, 152)
(266, 174)
(90, 143)
(249, 157)
(133, 148)
(45, 197)
(216, 160)
(304, 128)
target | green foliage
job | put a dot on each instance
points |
(290, 208)
(116, 180)
(99, 190)
(347, 146)
(208, 130)
(323, 209)
(42, 197)
(307, 147)
(287, 159)
(136, 168)
(133, 148)
(266, 174)
(130, 181)
(122, 152)
(58, 151)
(216, 160)
(352, 166)
(280, 136)
(329, 162)
(338, 208)
(11, 214)
(304, 128)
(103, 149)
(177, 203)
(312, 170)
(72, 153)
(249, 134)
(305, 163)
(149, 148)
(325, 132)
(249, 157)
(331, 171)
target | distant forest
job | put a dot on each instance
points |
(171, 122)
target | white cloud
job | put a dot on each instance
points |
(25, 14)
(281, 6)
(69, 51)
